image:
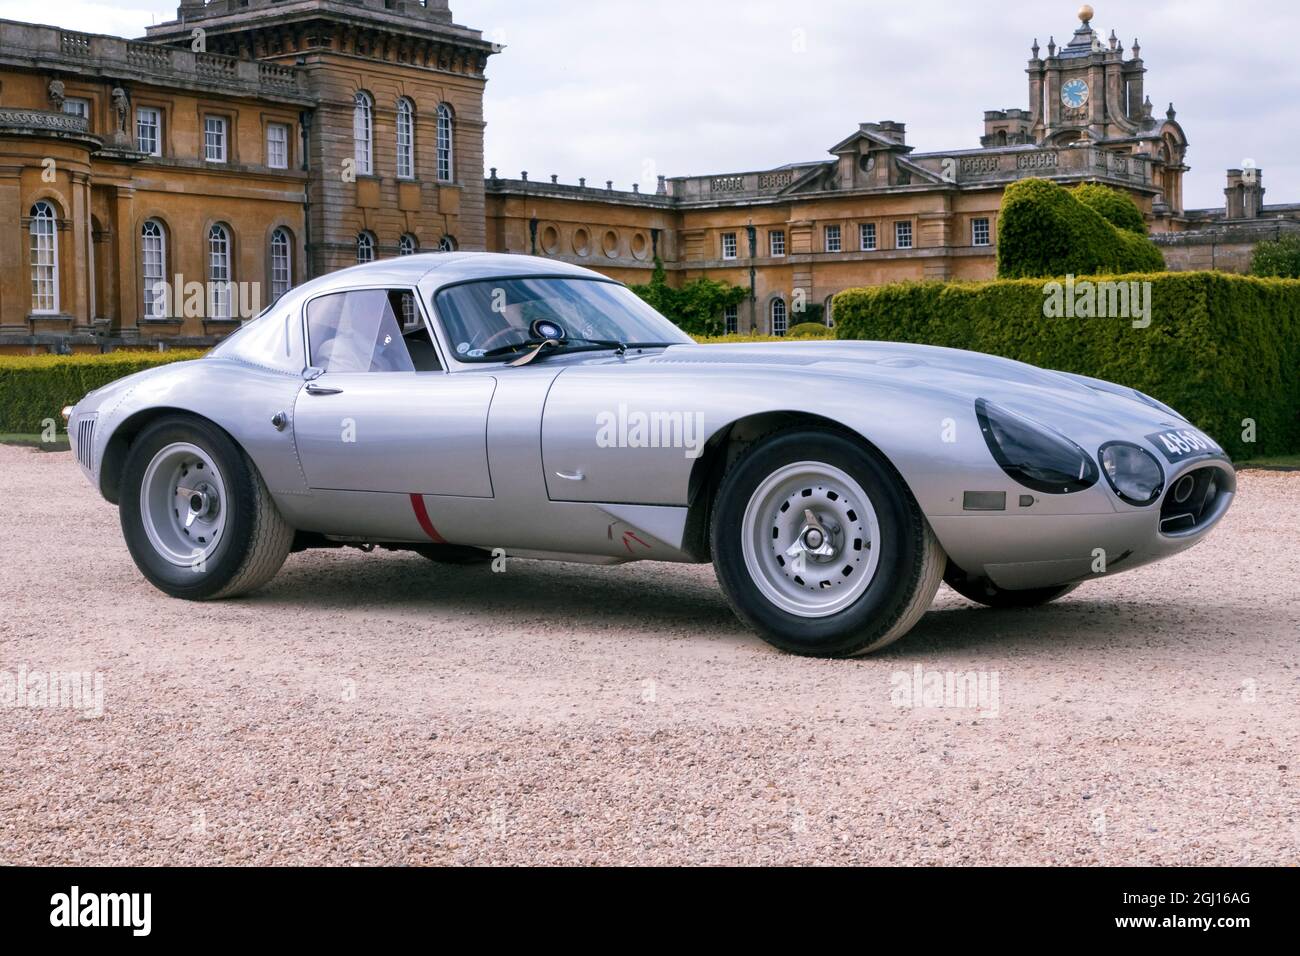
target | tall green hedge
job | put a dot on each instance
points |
(36, 387)
(1045, 229)
(1219, 348)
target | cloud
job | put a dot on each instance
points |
(611, 90)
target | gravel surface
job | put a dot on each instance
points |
(382, 709)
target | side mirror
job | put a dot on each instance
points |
(311, 373)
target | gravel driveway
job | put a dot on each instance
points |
(382, 709)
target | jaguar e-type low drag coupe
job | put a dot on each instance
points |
(455, 404)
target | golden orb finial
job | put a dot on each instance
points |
(1085, 13)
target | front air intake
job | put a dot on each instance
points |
(1194, 500)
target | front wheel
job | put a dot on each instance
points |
(197, 517)
(820, 547)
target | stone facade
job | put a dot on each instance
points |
(277, 173)
(91, 203)
(876, 211)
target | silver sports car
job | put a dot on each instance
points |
(467, 405)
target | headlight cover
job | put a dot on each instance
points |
(1132, 471)
(1033, 454)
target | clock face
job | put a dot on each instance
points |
(1074, 94)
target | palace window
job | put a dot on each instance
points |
(362, 132)
(731, 318)
(218, 272)
(153, 268)
(979, 232)
(833, 238)
(447, 244)
(214, 139)
(281, 263)
(776, 242)
(828, 311)
(446, 158)
(867, 236)
(903, 235)
(405, 139)
(779, 317)
(365, 247)
(728, 245)
(43, 233)
(148, 130)
(75, 106)
(407, 245)
(277, 145)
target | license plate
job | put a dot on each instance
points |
(1180, 443)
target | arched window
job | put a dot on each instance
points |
(281, 263)
(365, 247)
(778, 316)
(405, 139)
(363, 111)
(153, 268)
(828, 311)
(43, 232)
(446, 244)
(446, 163)
(407, 245)
(218, 272)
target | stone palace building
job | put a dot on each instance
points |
(155, 192)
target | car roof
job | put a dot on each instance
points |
(275, 339)
(438, 269)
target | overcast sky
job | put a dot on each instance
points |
(629, 89)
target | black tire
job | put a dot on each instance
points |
(255, 540)
(984, 591)
(910, 567)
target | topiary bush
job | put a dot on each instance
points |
(1115, 207)
(1047, 230)
(1221, 349)
(809, 330)
(34, 388)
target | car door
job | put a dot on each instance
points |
(379, 412)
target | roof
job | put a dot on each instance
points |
(442, 268)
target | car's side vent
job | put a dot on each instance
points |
(86, 442)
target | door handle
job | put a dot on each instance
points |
(314, 389)
(575, 476)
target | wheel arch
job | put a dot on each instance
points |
(726, 444)
(124, 435)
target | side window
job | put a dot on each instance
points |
(357, 332)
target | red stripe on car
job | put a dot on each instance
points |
(422, 516)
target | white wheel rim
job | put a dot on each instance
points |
(811, 568)
(183, 505)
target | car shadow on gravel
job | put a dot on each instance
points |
(1079, 625)
(573, 595)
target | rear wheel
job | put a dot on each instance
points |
(197, 518)
(820, 547)
(984, 591)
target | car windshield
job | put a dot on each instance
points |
(494, 314)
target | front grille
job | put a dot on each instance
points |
(1193, 500)
(86, 443)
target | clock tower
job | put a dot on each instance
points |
(1087, 94)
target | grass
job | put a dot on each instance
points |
(35, 441)
(1275, 462)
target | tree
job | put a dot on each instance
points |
(1277, 257)
(696, 308)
